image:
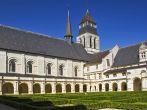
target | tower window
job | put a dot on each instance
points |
(94, 43)
(84, 41)
(90, 41)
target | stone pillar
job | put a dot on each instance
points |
(63, 88)
(16, 87)
(103, 87)
(53, 88)
(42, 87)
(30, 87)
(119, 86)
(0, 87)
(72, 88)
(110, 86)
(130, 85)
(144, 84)
(88, 87)
(81, 87)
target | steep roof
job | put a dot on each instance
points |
(23, 41)
(97, 57)
(127, 56)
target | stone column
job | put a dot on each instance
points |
(72, 88)
(30, 87)
(0, 87)
(16, 87)
(63, 87)
(42, 87)
(88, 87)
(144, 84)
(81, 87)
(53, 88)
(130, 85)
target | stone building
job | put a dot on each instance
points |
(36, 63)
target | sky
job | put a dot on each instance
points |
(122, 22)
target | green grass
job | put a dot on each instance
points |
(91, 101)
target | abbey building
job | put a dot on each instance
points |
(35, 63)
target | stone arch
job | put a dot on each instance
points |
(137, 84)
(84, 88)
(106, 87)
(77, 88)
(68, 88)
(23, 88)
(123, 86)
(7, 88)
(36, 88)
(100, 87)
(58, 88)
(48, 88)
(114, 86)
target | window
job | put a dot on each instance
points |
(97, 66)
(115, 75)
(76, 71)
(94, 43)
(87, 68)
(107, 76)
(29, 66)
(12, 65)
(90, 41)
(124, 74)
(143, 55)
(48, 69)
(108, 62)
(84, 41)
(61, 70)
(100, 76)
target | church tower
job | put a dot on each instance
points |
(88, 36)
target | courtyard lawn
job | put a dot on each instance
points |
(78, 101)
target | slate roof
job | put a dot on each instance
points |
(23, 41)
(127, 56)
(97, 57)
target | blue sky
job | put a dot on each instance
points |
(122, 22)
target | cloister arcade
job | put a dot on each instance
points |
(9, 87)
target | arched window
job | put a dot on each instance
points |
(48, 69)
(76, 71)
(29, 67)
(12, 65)
(94, 43)
(61, 70)
(90, 41)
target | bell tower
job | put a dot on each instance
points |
(87, 35)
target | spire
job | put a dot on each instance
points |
(87, 17)
(68, 34)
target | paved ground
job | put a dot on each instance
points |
(5, 107)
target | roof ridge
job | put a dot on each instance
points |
(31, 32)
(133, 45)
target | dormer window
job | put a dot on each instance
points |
(143, 55)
